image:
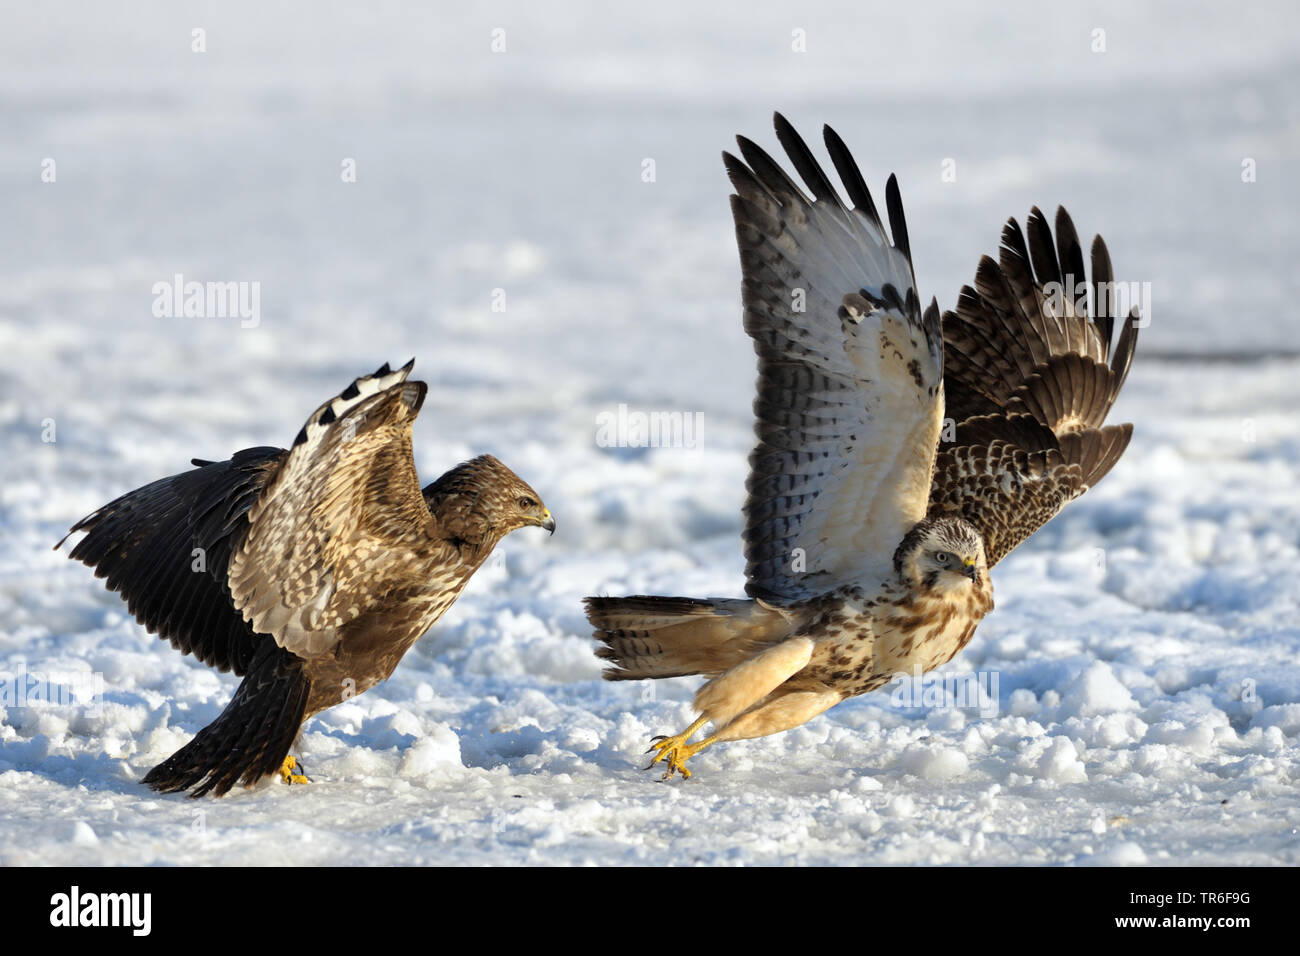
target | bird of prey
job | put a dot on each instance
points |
(308, 571)
(900, 455)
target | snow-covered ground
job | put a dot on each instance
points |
(1145, 643)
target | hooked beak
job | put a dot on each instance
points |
(970, 570)
(547, 521)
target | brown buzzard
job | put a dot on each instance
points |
(308, 572)
(900, 455)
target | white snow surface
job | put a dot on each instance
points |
(1145, 643)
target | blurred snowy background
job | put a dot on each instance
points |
(1146, 641)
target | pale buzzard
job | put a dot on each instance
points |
(899, 457)
(309, 572)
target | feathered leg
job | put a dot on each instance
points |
(774, 716)
(730, 695)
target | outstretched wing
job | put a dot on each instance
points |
(344, 507)
(166, 547)
(1030, 375)
(849, 402)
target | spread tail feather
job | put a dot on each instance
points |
(653, 637)
(252, 736)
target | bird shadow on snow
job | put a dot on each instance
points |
(529, 750)
(94, 772)
(63, 742)
(489, 749)
(482, 749)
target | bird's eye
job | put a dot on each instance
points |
(941, 557)
(527, 503)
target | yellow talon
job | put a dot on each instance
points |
(287, 771)
(676, 751)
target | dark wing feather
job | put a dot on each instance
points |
(1030, 376)
(144, 543)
